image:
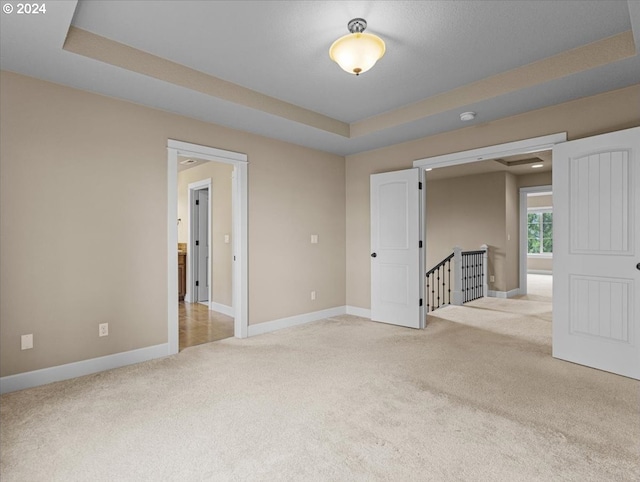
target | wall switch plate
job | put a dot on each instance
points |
(492, 279)
(314, 239)
(313, 295)
(226, 239)
(103, 329)
(26, 342)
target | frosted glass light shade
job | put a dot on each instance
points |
(357, 52)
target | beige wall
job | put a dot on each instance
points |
(455, 217)
(220, 222)
(83, 193)
(538, 263)
(470, 211)
(545, 201)
(535, 179)
(585, 117)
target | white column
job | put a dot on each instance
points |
(485, 270)
(457, 276)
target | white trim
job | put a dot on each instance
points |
(240, 275)
(503, 294)
(269, 326)
(422, 196)
(35, 378)
(191, 282)
(525, 146)
(220, 308)
(540, 271)
(523, 255)
(172, 251)
(240, 229)
(186, 149)
(361, 312)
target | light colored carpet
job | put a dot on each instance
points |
(478, 398)
(539, 287)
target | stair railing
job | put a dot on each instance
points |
(439, 284)
(470, 277)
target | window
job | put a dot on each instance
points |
(540, 232)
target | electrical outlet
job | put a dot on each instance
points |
(226, 239)
(313, 295)
(26, 342)
(314, 239)
(492, 279)
(103, 329)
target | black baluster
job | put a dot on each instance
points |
(449, 281)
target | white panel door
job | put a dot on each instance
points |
(596, 252)
(395, 253)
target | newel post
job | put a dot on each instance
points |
(485, 270)
(457, 276)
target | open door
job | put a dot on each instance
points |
(596, 252)
(395, 248)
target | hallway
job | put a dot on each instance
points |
(200, 325)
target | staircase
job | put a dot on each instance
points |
(469, 270)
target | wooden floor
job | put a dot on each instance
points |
(200, 325)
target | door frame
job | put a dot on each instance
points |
(524, 146)
(191, 282)
(239, 204)
(524, 191)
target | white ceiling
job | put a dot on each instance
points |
(280, 49)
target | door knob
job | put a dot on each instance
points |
(373, 255)
(637, 265)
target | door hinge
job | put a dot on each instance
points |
(198, 284)
(197, 202)
(420, 301)
(419, 185)
(197, 243)
(419, 244)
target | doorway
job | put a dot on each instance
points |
(205, 202)
(536, 235)
(594, 314)
(473, 158)
(236, 241)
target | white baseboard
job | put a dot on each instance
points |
(539, 271)
(269, 326)
(224, 309)
(35, 378)
(503, 294)
(361, 312)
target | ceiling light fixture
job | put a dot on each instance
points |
(467, 116)
(536, 166)
(357, 52)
